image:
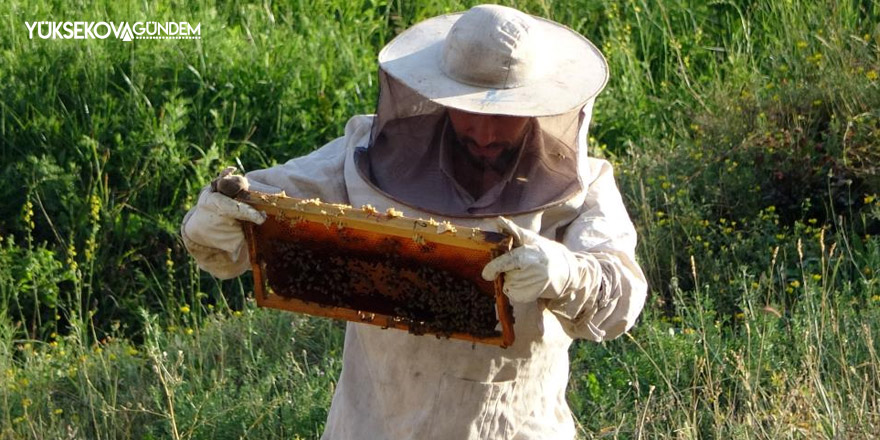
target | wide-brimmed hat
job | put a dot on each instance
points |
(497, 60)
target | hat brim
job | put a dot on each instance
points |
(577, 72)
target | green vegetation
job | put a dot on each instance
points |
(746, 140)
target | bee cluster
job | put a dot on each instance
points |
(426, 298)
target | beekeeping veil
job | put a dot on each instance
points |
(489, 60)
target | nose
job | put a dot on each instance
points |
(483, 133)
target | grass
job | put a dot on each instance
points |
(744, 136)
(228, 378)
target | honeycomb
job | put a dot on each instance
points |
(378, 268)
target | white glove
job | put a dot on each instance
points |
(215, 224)
(536, 268)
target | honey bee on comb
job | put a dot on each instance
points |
(428, 299)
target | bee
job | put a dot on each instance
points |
(419, 239)
(369, 210)
(393, 213)
(446, 226)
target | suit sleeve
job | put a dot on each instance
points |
(318, 174)
(609, 289)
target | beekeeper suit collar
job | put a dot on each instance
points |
(492, 60)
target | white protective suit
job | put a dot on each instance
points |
(395, 385)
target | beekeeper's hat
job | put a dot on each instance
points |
(497, 60)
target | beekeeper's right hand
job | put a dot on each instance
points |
(212, 232)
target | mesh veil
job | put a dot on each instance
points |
(403, 158)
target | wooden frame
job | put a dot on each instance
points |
(452, 245)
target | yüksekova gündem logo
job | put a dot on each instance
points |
(87, 30)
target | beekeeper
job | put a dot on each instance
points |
(482, 120)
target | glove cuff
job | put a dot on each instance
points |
(217, 262)
(584, 285)
(567, 266)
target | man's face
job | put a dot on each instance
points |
(489, 140)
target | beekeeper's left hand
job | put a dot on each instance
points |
(536, 268)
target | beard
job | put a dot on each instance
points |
(500, 164)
